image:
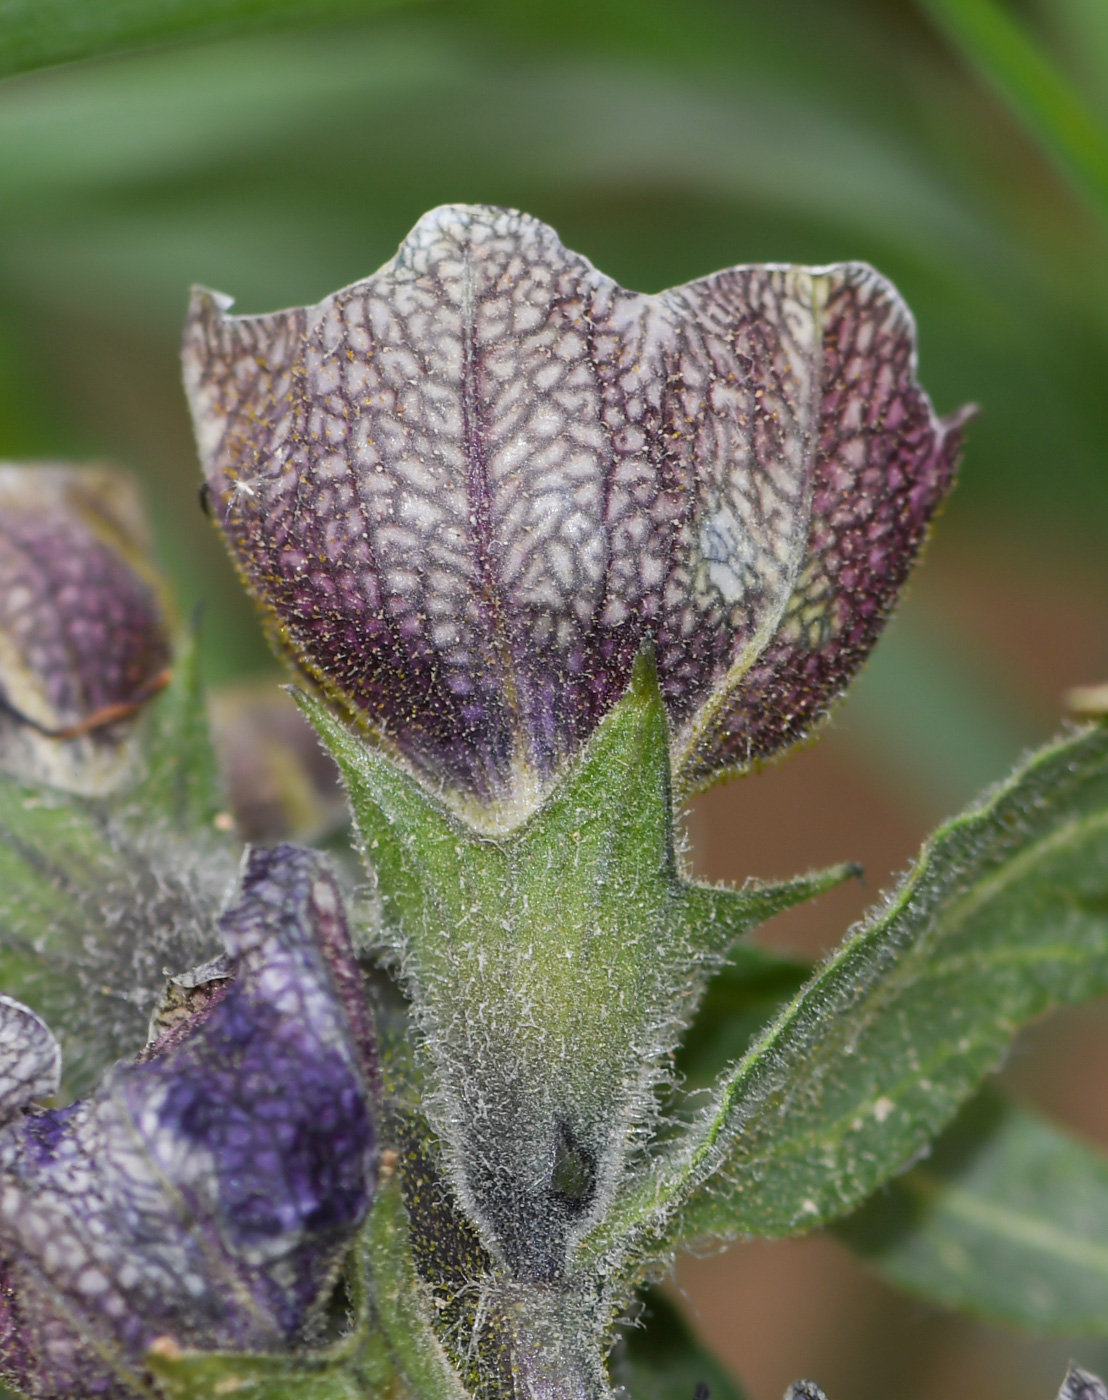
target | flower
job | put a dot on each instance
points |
(82, 629)
(1078, 1385)
(469, 489)
(206, 1193)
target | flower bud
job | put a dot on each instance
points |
(82, 631)
(204, 1195)
(469, 489)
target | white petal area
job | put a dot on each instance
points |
(543, 472)
(30, 1058)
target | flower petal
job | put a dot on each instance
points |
(879, 464)
(472, 486)
(82, 629)
(1082, 1385)
(30, 1058)
(209, 1193)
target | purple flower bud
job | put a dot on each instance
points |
(82, 632)
(471, 487)
(204, 1195)
(1082, 1385)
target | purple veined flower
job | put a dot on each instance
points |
(83, 641)
(204, 1195)
(1078, 1385)
(470, 488)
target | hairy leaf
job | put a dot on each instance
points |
(1004, 915)
(740, 999)
(1007, 1219)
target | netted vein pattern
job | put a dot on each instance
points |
(207, 1192)
(82, 631)
(469, 488)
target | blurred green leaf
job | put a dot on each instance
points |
(1079, 31)
(1038, 93)
(1007, 1220)
(660, 1359)
(437, 109)
(92, 914)
(1004, 915)
(38, 33)
(181, 785)
(933, 720)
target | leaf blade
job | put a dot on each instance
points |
(1013, 895)
(1006, 1220)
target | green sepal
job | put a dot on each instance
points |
(537, 962)
(660, 1359)
(1004, 916)
(716, 917)
(419, 854)
(753, 982)
(552, 968)
(1007, 1219)
(181, 785)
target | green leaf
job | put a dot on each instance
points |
(1041, 97)
(1004, 916)
(740, 999)
(1007, 1219)
(181, 785)
(38, 33)
(401, 1302)
(198, 1375)
(91, 914)
(660, 1359)
(552, 968)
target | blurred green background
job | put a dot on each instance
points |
(957, 146)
